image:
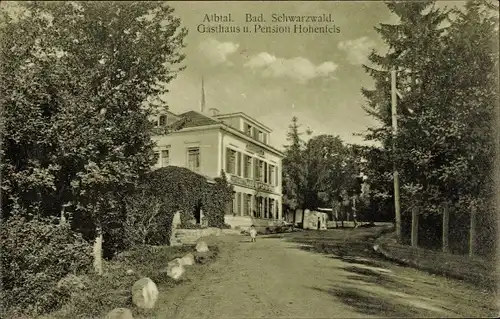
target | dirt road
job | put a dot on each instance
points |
(280, 278)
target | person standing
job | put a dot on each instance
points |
(253, 234)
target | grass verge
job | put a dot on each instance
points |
(113, 289)
(477, 271)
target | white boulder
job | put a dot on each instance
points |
(175, 269)
(119, 313)
(201, 247)
(187, 260)
(130, 272)
(144, 293)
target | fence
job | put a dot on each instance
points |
(453, 230)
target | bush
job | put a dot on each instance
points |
(36, 254)
(226, 226)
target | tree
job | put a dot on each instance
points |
(442, 152)
(318, 171)
(411, 44)
(81, 80)
(293, 169)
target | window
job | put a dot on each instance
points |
(277, 205)
(162, 120)
(157, 158)
(256, 170)
(261, 136)
(266, 173)
(238, 163)
(272, 175)
(277, 178)
(271, 208)
(262, 171)
(234, 203)
(258, 205)
(230, 161)
(238, 204)
(248, 205)
(165, 159)
(266, 211)
(247, 169)
(194, 159)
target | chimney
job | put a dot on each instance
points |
(213, 111)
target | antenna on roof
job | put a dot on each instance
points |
(202, 106)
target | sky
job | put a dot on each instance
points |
(272, 77)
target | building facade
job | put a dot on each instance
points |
(234, 143)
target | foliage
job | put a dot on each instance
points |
(77, 96)
(143, 217)
(216, 200)
(446, 75)
(171, 189)
(293, 172)
(36, 254)
(318, 172)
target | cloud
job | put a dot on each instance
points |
(299, 68)
(357, 50)
(217, 52)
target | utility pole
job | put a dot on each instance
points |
(394, 102)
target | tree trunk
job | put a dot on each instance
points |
(414, 226)
(446, 225)
(472, 232)
(372, 210)
(98, 252)
(342, 217)
(303, 218)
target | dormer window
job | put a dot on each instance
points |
(162, 120)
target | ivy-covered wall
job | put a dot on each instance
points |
(180, 189)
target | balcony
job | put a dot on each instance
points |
(250, 183)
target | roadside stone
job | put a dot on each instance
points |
(130, 272)
(187, 260)
(175, 269)
(201, 247)
(144, 293)
(119, 313)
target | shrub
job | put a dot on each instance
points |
(36, 254)
(215, 201)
